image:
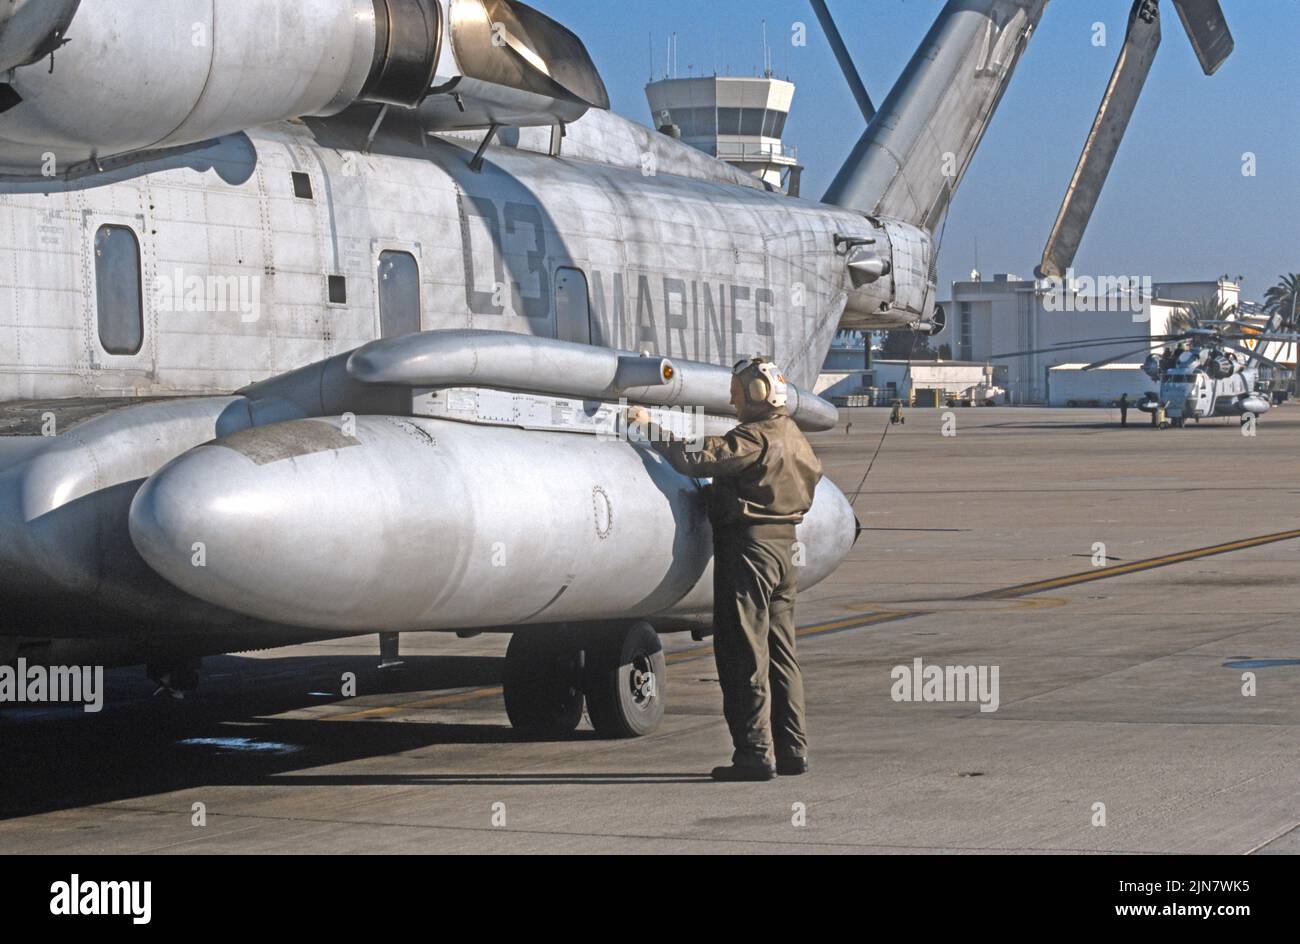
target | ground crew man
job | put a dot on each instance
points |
(764, 474)
(1123, 409)
(896, 413)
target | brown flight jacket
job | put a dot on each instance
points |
(764, 471)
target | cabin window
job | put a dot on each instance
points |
(751, 122)
(301, 185)
(572, 306)
(338, 290)
(728, 121)
(399, 294)
(118, 292)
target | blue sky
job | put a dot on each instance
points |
(1176, 205)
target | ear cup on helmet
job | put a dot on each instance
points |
(761, 382)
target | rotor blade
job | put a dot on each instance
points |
(1140, 44)
(1111, 360)
(1067, 347)
(1121, 339)
(844, 59)
(1261, 337)
(1208, 30)
(1254, 356)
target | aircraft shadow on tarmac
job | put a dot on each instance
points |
(226, 733)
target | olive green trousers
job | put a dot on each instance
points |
(754, 587)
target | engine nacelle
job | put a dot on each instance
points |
(1219, 366)
(32, 29)
(141, 76)
(133, 77)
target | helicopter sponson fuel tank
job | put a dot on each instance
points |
(489, 465)
(98, 80)
(424, 524)
(420, 522)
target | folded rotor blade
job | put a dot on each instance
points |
(1208, 30)
(1140, 44)
(844, 59)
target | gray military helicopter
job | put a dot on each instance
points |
(317, 318)
(1206, 371)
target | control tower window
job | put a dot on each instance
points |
(751, 122)
(774, 123)
(118, 293)
(696, 122)
(728, 121)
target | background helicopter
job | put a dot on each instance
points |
(1203, 371)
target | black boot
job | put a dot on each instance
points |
(791, 766)
(743, 773)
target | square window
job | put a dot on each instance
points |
(301, 185)
(338, 290)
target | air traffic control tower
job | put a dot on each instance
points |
(737, 119)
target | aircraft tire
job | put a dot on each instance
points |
(541, 684)
(625, 682)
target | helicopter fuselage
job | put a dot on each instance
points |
(1202, 383)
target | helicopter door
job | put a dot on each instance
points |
(1204, 396)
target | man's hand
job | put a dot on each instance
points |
(637, 416)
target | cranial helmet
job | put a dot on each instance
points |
(762, 382)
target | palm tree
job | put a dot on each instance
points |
(1284, 298)
(1200, 313)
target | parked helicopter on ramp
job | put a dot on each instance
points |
(1201, 372)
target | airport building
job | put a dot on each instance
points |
(1007, 314)
(737, 119)
(848, 380)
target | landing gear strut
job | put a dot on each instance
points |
(175, 678)
(619, 669)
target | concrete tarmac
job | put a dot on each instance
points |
(1131, 587)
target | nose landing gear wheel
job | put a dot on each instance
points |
(542, 684)
(625, 677)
